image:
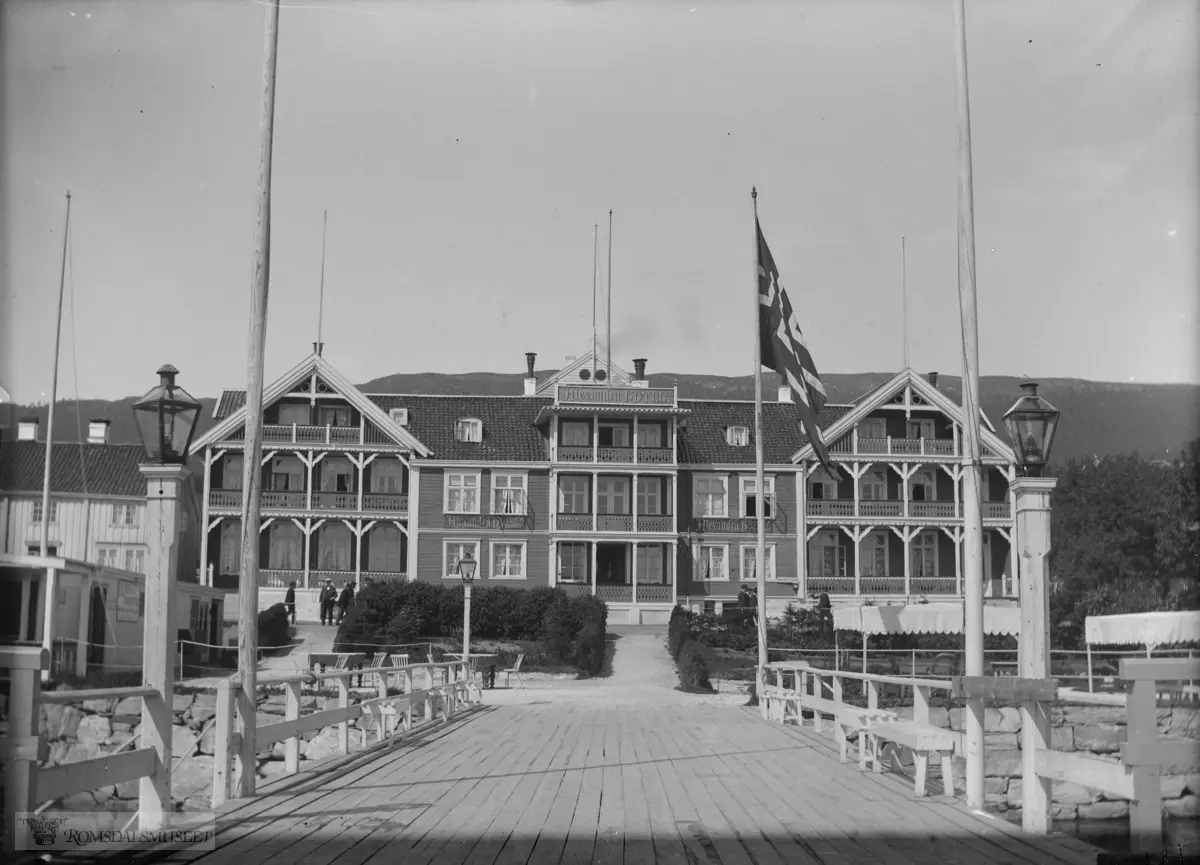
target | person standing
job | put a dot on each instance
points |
(345, 600)
(289, 601)
(327, 597)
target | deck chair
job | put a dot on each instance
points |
(515, 671)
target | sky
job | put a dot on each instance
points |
(464, 152)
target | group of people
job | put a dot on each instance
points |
(334, 605)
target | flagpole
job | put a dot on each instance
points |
(247, 763)
(608, 337)
(972, 515)
(595, 271)
(760, 570)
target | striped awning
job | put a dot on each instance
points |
(943, 618)
(1143, 629)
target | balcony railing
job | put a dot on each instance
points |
(653, 593)
(902, 446)
(881, 585)
(613, 523)
(933, 585)
(895, 508)
(279, 578)
(615, 594)
(831, 585)
(585, 454)
(576, 590)
(305, 434)
(645, 593)
(297, 500)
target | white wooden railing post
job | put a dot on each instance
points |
(1145, 811)
(428, 695)
(223, 745)
(22, 746)
(344, 703)
(292, 743)
(921, 704)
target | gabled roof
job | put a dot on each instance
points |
(702, 436)
(935, 399)
(282, 385)
(509, 432)
(112, 470)
(569, 374)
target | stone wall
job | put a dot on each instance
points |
(1096, 730)
(97, 727)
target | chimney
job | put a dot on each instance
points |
(785, 390)
(27, 429)
(530, 378)
(933, 379)
(98, 431)
(639, 373)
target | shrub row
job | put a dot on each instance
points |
(394, 614)
(691, 656)
(274, 628)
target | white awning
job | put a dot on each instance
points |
(1143, 629)
(924, 619)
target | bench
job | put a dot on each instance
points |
(923, 740)
(851, 719)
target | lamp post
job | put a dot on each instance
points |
(466, 570)
(166, 420)
(1031, 424)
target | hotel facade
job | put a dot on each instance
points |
(595, 482)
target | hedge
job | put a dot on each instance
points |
(274, 629)
(393, 614)
(691, 656)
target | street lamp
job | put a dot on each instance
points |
(1031, 424)
(166, 419)
(466, 570)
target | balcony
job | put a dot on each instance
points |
(306, 434)
(881, 585)
(585, 454)
(613, 523)
(297, 500)
(279, 578)
(901, 447)
(870, 509)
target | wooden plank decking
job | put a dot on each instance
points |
(567, 783)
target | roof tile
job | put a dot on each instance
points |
(112, 469)
(702, 439)
(509, 434)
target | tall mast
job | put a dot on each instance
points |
(972, 510)
(321, 302)
(760, 511)
(595, 269)
(904, 292)
(248, 583)
(62, 282)
(608, 365)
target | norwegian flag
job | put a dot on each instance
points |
(784, 351)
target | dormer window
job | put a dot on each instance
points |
(399, 416)
(737, 436)
(469, 429)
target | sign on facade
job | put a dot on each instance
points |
(481, 521)
(129, 595)
(616, 395)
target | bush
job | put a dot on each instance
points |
(677, 631)
(589, 657)
(693, 668)
(273, 627)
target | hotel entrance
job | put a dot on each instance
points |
(637, 579)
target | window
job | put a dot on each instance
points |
(387, 476)
(333, 547)
(924, 555)
(124, 515)
(650, 564)
(833, 561)
(285, 550)
(923, 487)
(508, 494)
(710, 563)
(737, 436)
(875, 555)
(649, 496)
(573, 495)
(37, 512)
(462, 493)
(295, 414)
(614, 435)
(335, 416)
(750, 499)
(36, 549)
(572, 563)
(469, 429)
(874, 487)
(822, 487)
(709, 496)
(454, 552)
(650, 435)
(399, 416)
(872, 428)
(231, 547)
(750, 557)
(109, 557)
(612, 495)
(508, 561)
(920, 429)
(385, 550)
(135, 560)
(287, 473)
(575, 434)
(337, 476)
(231, 473)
